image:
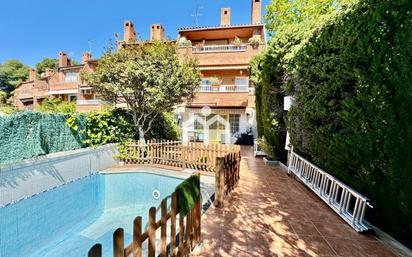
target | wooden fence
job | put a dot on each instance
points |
(222, 160)
(188, 235)
(191, 155)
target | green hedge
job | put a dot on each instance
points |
(187, 194)
(352, 83)
(28, 134)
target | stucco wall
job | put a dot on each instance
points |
(28, 178)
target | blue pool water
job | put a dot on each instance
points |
(68, 220)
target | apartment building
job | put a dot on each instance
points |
(64, 83)
(224, 106)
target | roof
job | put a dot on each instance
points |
(72, 67)
(220, 27)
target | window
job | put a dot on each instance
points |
(72, 98)
(242, 81)
(197, 124)
(234, 123)
(206, 82)
(70, 77)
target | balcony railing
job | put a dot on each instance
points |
(219, 48)
(224, 88)
(88, 102)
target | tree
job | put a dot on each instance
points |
(149, 78)
(57, 105)
(12, 72)
(47, 63)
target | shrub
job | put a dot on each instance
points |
(28, 134)
(57, 105)
(352, 83)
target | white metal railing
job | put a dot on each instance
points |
(345, 201)
(219, 48)
(224, 88)
(88, 102)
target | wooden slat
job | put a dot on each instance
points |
(152, 232)
(95, 251)
(173, 213)
(118, 243)
(163, 228)
(181, 235)
(137, 237)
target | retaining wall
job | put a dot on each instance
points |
(27, 178)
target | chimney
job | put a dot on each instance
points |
(86, 56)
(32, 74)
(63, 60)
(157, 32)
(129, 33)
(48, 72)
(225, 17)
(256, 11)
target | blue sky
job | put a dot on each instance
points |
(31, 30)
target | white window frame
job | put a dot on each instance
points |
(70, 77)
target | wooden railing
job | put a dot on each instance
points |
(227, 176)
(189, 233)
(198, 156)
(222, 160)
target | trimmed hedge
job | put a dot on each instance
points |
(352, 116)
(28, 134)
(187, 194)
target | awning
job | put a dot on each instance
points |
(63, 92)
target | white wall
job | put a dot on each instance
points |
(24, 179)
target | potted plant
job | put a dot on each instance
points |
(269, 150)
(215, 82)
(237, 42)
(200, 45)
(255, 41)
(183, 42)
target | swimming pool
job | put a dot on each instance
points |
(68, 220)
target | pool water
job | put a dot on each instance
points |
(68, 220)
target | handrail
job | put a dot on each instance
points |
(345, 201)
(219, 48)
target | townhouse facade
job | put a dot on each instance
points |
(64, 83)
(224, 106)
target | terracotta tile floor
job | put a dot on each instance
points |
(271, 214)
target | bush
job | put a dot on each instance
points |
(28, 134)
(352, 83)
(57, 105)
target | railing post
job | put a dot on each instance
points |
(173, 213)
(95, 251)
(163, 223)
(152, 232)
(137, 237)
(219, 181)
(118, 243)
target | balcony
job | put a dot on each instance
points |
(223, 88)
(212, 56)
(219, 48)
(89, 102)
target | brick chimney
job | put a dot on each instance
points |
(256, 11)
(49, 72)
(32, 74)
(225, 17)
(157, 32)
(64, 61)
(86, 56)
(129, 33)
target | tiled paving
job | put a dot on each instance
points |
(271, 214)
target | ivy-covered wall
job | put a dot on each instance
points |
(352, 82)
(348, 64)
(28, 134)
(24, 135)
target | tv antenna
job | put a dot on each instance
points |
(197, 14)
(90, 43)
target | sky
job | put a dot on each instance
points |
(31, 30)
